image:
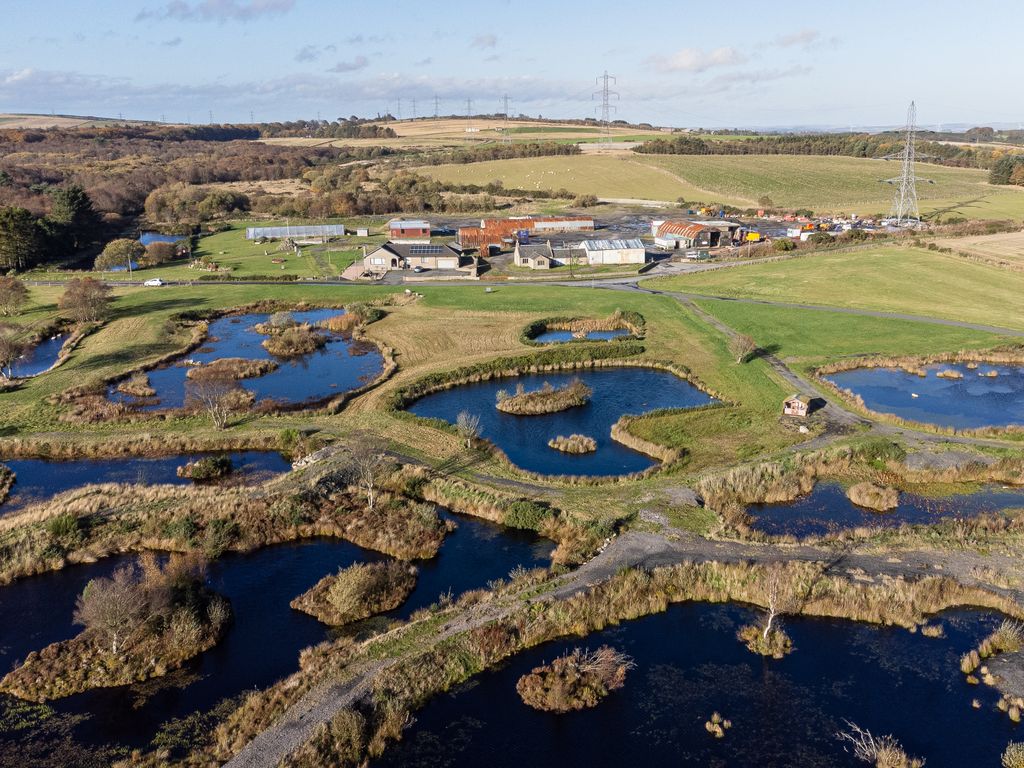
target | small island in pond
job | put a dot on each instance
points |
(358, 592)
(578, 680)
(547, 399)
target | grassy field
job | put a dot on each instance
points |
(824, 184)
(902, 280)
(1007, 247)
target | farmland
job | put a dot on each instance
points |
(823, 184)
(899, 280)
(1004, 249)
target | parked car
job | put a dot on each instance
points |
(417, 269)
(153, 282)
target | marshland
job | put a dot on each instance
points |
(267, 512)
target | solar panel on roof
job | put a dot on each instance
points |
(422, 250)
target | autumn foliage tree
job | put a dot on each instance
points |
(13, 295)
(120, 253)
(85, 300)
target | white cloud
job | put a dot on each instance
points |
(697, 60)
(803, 38)
(484, 41)
(359, 62)
(217, 10)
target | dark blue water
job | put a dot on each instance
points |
(341, 365)
(155, 237)
(689, 664)
(827, 509)
(264, 641)
(553, 337)
(40, 358)
(39, 479)
(524, 439)
(967, 403)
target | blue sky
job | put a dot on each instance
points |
(824, 63)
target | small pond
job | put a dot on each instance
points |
(156, 237)
(39, 479)
(558, 337)
(973, 401)
(827, 509)
(524, 439)
(266, 636)
(39, 358)
(343, 364)
(689, 664)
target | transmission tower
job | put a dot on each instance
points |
(469, 108)
(506, 136)
(437, 107)
(414, 109)
(399, 115)
(904, 200)
(606, 106)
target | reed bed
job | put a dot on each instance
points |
(358, 592)
(547, 399)
(577, 444)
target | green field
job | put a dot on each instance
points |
(823, 184)
(904, 280)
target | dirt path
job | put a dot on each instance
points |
(632, 549)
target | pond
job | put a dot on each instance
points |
(524, 439)
(266, 636)
(37, 479)
(39, 358)
(689, 664)
(827, 509)
(973, 401)
(343, 364)
(557, 337)
(156, 237)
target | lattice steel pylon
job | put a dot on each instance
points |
(904, 200)
(606, 107)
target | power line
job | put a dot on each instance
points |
(606, 107)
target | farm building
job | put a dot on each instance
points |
(679, 234)
(392, 255)
(297, 231)
(538, 256)
(409, 231)
(614, 251)
(796, 405)
(719, 232)
(499, 232)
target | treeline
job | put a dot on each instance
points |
(502, 152)
(342, 128)
(847, 145)
(27, 239)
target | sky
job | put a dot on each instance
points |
(826, 63)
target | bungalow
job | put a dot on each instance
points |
(409, 231)
(538, 256)
(599, 252)
(411, 255)
(796, 405)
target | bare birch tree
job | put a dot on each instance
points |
(468, 426)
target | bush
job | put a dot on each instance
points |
(357, 592)
(206, 468)
(579, 680)
(526, 514)
(783, 244)
(573, 444)
(158, 253)
(118, 253)
(1013, 755)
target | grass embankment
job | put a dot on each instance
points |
(424, 661)
(358, 592)
(547, 399)
(901, 280)
(140, 624)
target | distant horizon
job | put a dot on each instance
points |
(178, 61)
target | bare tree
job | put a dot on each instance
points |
(10, 350)
(773, 595)
(86, 300)
(114, 606)
(742, 347)
(370, 463)
(13, 295)
(876, 750)
(468, 426)
(217, 394)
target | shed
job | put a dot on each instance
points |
(614, 251)
(409, 231)
(796, 405)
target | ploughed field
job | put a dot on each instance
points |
(262, 644)
(689, 665)
(524, 439)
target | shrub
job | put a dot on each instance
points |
(526, 514)
(65, 530)
(295, 341)
(1013, 755)
(783, 245)
(573, 444)
(578, 680)
(158, 253)
(775, 642)
(206, 468)
(357, 592)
